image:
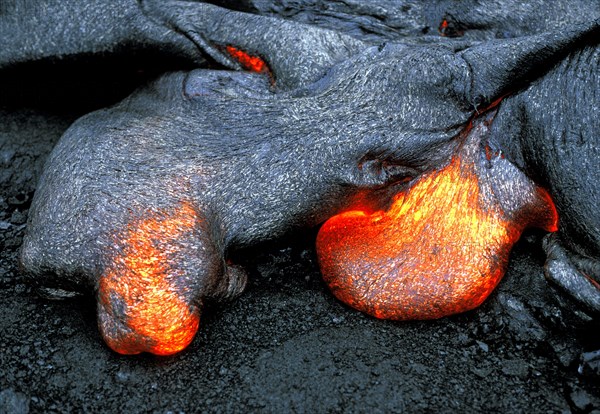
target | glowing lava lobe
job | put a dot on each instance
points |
(146, 292)
(443, 245)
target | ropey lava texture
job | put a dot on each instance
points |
(425, 155)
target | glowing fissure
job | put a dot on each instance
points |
(439, 250)
(248, 62)
(142, 307)
(443, 27)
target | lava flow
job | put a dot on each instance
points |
(442, 246)
(142, 303)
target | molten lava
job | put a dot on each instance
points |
(142, 304)
(449, 29)
(248, 62)
(443, 26)
(440, 249)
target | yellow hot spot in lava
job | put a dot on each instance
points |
(147, 312)
(437, 251)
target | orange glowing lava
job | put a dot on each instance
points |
(443, 26)
(249, 62)
(447, 30)
(141, 304)
(440, 249)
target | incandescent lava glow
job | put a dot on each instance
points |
(442, 246)
(142, 304)
(248, 62)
